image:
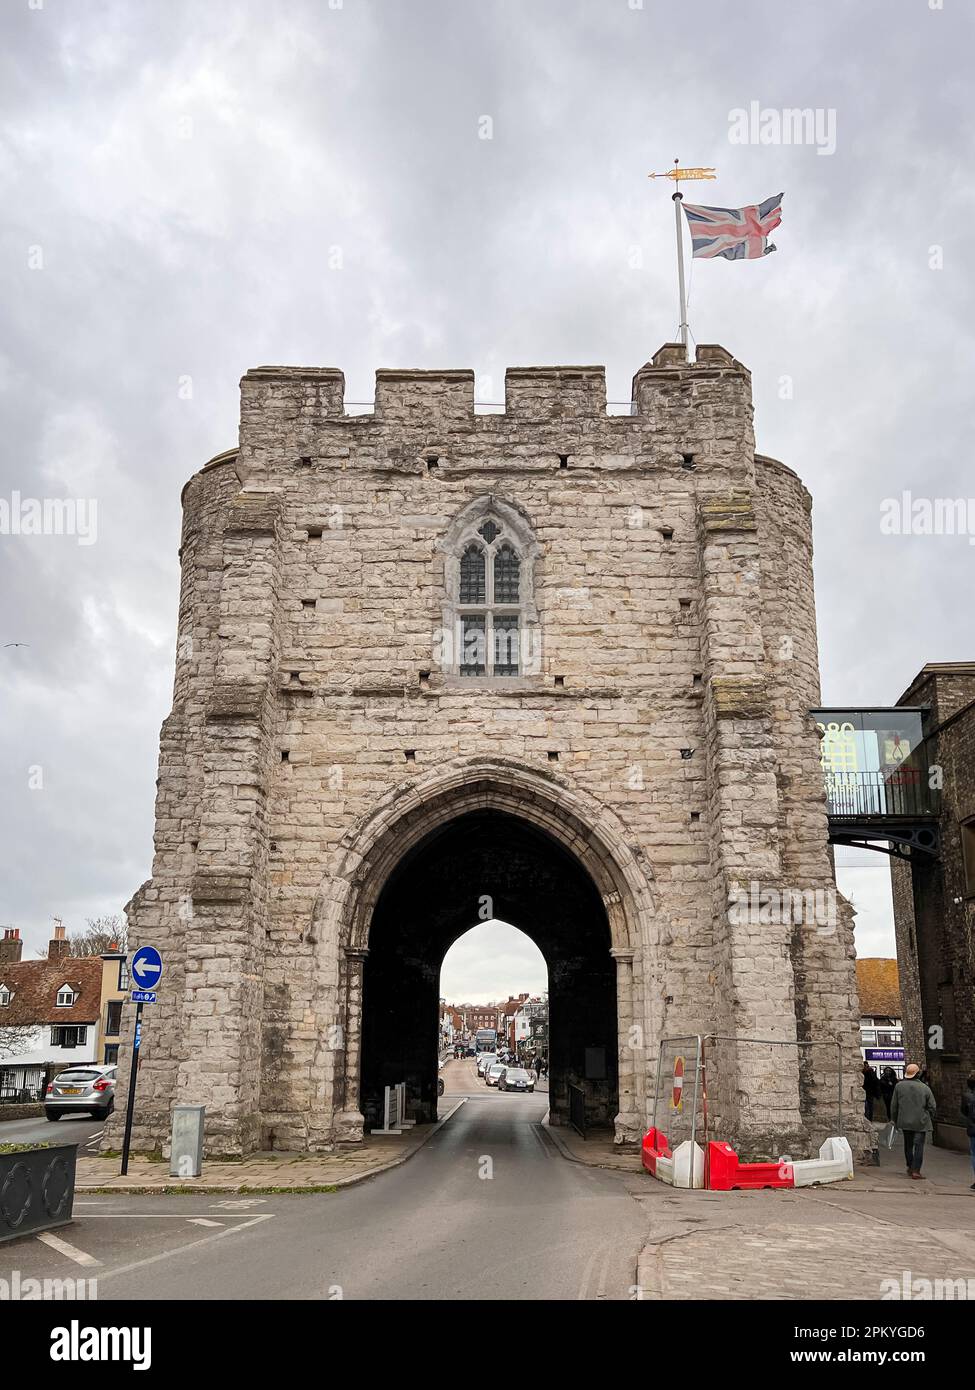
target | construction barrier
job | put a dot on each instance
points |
(682, 1168)
(725, 1172)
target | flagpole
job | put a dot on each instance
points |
(677, 173)
(678, 200)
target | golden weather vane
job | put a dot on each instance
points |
(677, 173)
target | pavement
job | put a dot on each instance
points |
(494, 1202)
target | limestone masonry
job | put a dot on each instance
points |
(343, 696)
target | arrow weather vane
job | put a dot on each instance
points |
(677, 173)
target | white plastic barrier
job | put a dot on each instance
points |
(834, 1163)
(676, 1170)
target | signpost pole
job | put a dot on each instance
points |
(130, 1104)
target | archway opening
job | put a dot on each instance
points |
(496, 864)
(494, 999)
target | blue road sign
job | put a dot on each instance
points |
(143, 996)
(146, 968)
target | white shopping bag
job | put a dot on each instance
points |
(888, 1135)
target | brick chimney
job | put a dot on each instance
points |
(58, 947)
(11, 946)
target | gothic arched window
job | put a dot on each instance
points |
(490, 614)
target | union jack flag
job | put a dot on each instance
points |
(737, 234)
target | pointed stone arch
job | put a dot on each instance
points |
(366, 856)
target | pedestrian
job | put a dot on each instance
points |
(968, 1110)
(538, 1068)
(888, 1080)
(871, 1089)
(913, 1110)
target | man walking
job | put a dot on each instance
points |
(912, 1110)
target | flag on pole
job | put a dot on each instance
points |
(737, 234)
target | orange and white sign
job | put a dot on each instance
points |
(677, 1096)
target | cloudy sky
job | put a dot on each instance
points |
(192, 189)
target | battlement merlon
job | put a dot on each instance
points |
(306, 395)
(702, 408)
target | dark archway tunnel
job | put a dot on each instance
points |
(432, 897)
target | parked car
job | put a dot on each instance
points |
(485, 1060)
(493, 1073)
(516, 1079)
(90, 1089)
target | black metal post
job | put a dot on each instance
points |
(130, 1105)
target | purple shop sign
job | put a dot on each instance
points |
(884, 1054)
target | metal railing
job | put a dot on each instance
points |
(868, 795)
(577, 1109)
(22, 1090)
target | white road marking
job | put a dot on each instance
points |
(193, 1245)
(63, 1248)
(202, 1221)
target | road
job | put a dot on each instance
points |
(487, 1208)
(70, 1129)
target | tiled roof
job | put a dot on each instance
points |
(34, 986)
(879, 986)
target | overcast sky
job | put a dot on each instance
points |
(189, 190)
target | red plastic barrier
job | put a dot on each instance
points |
(726, 1171)
(654, 1146)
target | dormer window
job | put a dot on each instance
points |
(4, 996)
(490, 621)
(66, 997)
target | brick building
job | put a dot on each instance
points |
(934, 899)
(51, 1009)
(554, 665)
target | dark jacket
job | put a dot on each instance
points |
(871, 1084)
(968, 1110)
(912, 1107)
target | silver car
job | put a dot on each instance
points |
(485, 1060)
(516, 1079)
(90, 1089)
(493, 1073)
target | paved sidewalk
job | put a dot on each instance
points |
(877, 1235)
(269, 1172)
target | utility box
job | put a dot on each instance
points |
(186, 1154)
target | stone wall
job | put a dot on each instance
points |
(677, 664)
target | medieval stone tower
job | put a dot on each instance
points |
(552, 660)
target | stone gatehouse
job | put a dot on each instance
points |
(551, 665)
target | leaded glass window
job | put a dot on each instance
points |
(506, 570)
(472, 575)
(506, 639)
(490, 610)
(473, 655)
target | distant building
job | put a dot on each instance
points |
(480, 1016)
(56, 1013)
(934, 898)
(881, 1034)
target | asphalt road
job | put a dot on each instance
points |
(70, 1129)
(487, 1208)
